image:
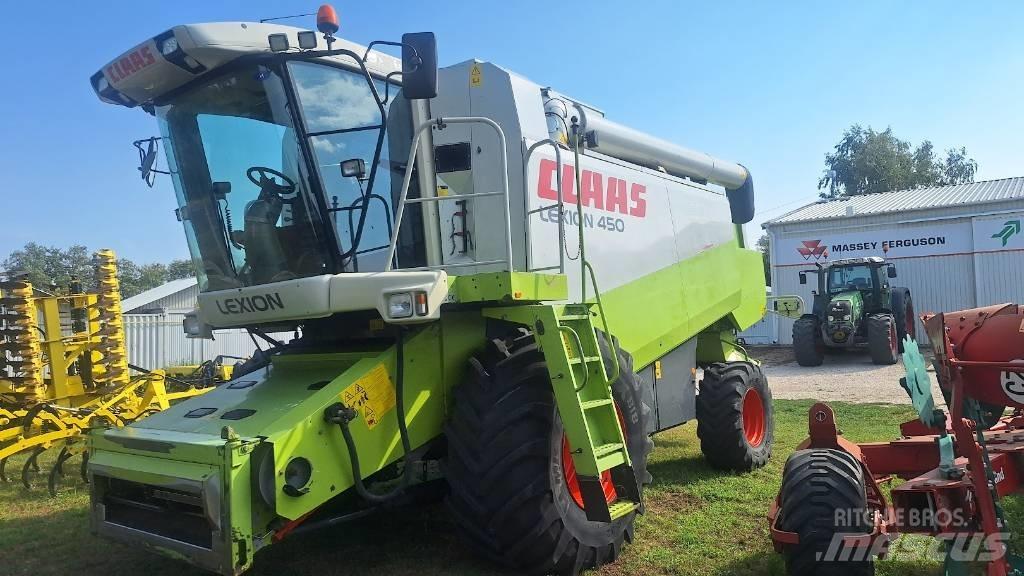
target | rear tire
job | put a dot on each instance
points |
(819, 487)
(903, 312)
(735, 421)
(883, 343)
(808, 345)
(509, 492)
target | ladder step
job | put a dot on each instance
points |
(587, 359)
(605, 449)
(596, 403)
(571, 317)
(620, 508)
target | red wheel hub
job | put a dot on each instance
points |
(753, 417)
(572, 482)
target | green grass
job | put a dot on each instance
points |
(699, 521)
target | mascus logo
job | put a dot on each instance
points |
(813, 248)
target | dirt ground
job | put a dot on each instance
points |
(845, 375)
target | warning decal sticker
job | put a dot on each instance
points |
(475, 76)
(372, 396)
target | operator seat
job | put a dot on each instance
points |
(264, 253)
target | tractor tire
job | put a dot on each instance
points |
(903, 312)
(823, 495)
(510, 491)
(883, 343)
(735, 420)
(808, 345)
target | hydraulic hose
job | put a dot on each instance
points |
(341, 415)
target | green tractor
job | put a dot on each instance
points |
(854, 306)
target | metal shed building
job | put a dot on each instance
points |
(955, 247)
(154, 335)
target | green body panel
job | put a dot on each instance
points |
(508, 287)
(168, 448)
(654, 314)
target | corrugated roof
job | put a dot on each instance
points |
(154, 294)
(903, 200)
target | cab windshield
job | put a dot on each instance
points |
(264, 201)
(843, 278)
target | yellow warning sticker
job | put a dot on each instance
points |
(372, 396)
(657, 370)
(476, 77)
(570, 348)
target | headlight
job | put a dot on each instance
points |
(170, 46)
(400, 305)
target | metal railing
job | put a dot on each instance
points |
(439, 124)
(560, 205)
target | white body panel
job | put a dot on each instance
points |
(650, 222)
(321, 296)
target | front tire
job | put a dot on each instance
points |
(823, 496)
(510, 490)
(883, 342)
(808, 345)
(735, 421)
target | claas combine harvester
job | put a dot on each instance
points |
(832, 516)
(64, 369)
(498, 291)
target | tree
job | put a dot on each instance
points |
(866, 161)
(764, 246)
(178, 269)
(52, 269)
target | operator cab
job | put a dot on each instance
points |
(286, 163)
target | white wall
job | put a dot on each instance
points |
(158, 341)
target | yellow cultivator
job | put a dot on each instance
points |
(64, 369)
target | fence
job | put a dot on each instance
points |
(157, 341)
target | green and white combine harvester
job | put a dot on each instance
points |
(499, 292)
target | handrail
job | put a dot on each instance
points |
(439, 124)
(560, 204)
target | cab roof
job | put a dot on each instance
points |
(173, 58)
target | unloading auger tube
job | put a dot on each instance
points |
(618, 141)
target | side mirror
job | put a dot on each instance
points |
(891, 271)
(803, 278)
(354, 168)
(419, 65)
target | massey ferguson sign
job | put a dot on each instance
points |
(932, 240)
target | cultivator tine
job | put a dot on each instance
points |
(3, 471)
(58, 470)
(31, 464)
(84, 471)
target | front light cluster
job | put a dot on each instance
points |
(405, 304)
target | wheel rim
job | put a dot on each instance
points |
(572, 481)
(753, 417)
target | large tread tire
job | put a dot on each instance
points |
(808, 345)
(508, 489)
(883, 343)
(903, 312)
(724, 440)
(816, 484)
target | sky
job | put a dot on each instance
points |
(771, 85)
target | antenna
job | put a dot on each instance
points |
(265, 20)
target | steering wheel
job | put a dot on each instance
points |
(266, 180)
